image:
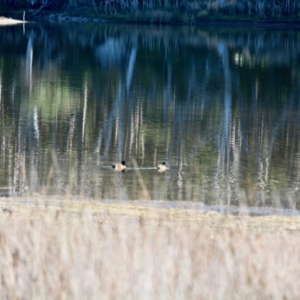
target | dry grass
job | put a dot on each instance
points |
(51, 249)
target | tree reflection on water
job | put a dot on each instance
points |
(221, 106)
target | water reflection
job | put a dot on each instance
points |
(220, 106)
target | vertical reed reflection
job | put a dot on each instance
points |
(221, 106)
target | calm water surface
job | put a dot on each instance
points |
(221, 106)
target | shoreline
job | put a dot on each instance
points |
(10, 21)
(36, 207)
(79, 15)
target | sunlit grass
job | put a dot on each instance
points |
(75, 249)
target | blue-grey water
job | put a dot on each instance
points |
(221, 106)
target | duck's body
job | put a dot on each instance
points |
(162, 167)
(120, 167)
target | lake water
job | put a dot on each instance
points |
(220, 105)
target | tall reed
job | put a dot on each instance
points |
(261, 8)
(122, 251)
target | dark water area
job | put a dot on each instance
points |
(220, 105)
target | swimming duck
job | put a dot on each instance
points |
(120, 167)
(162, 167)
